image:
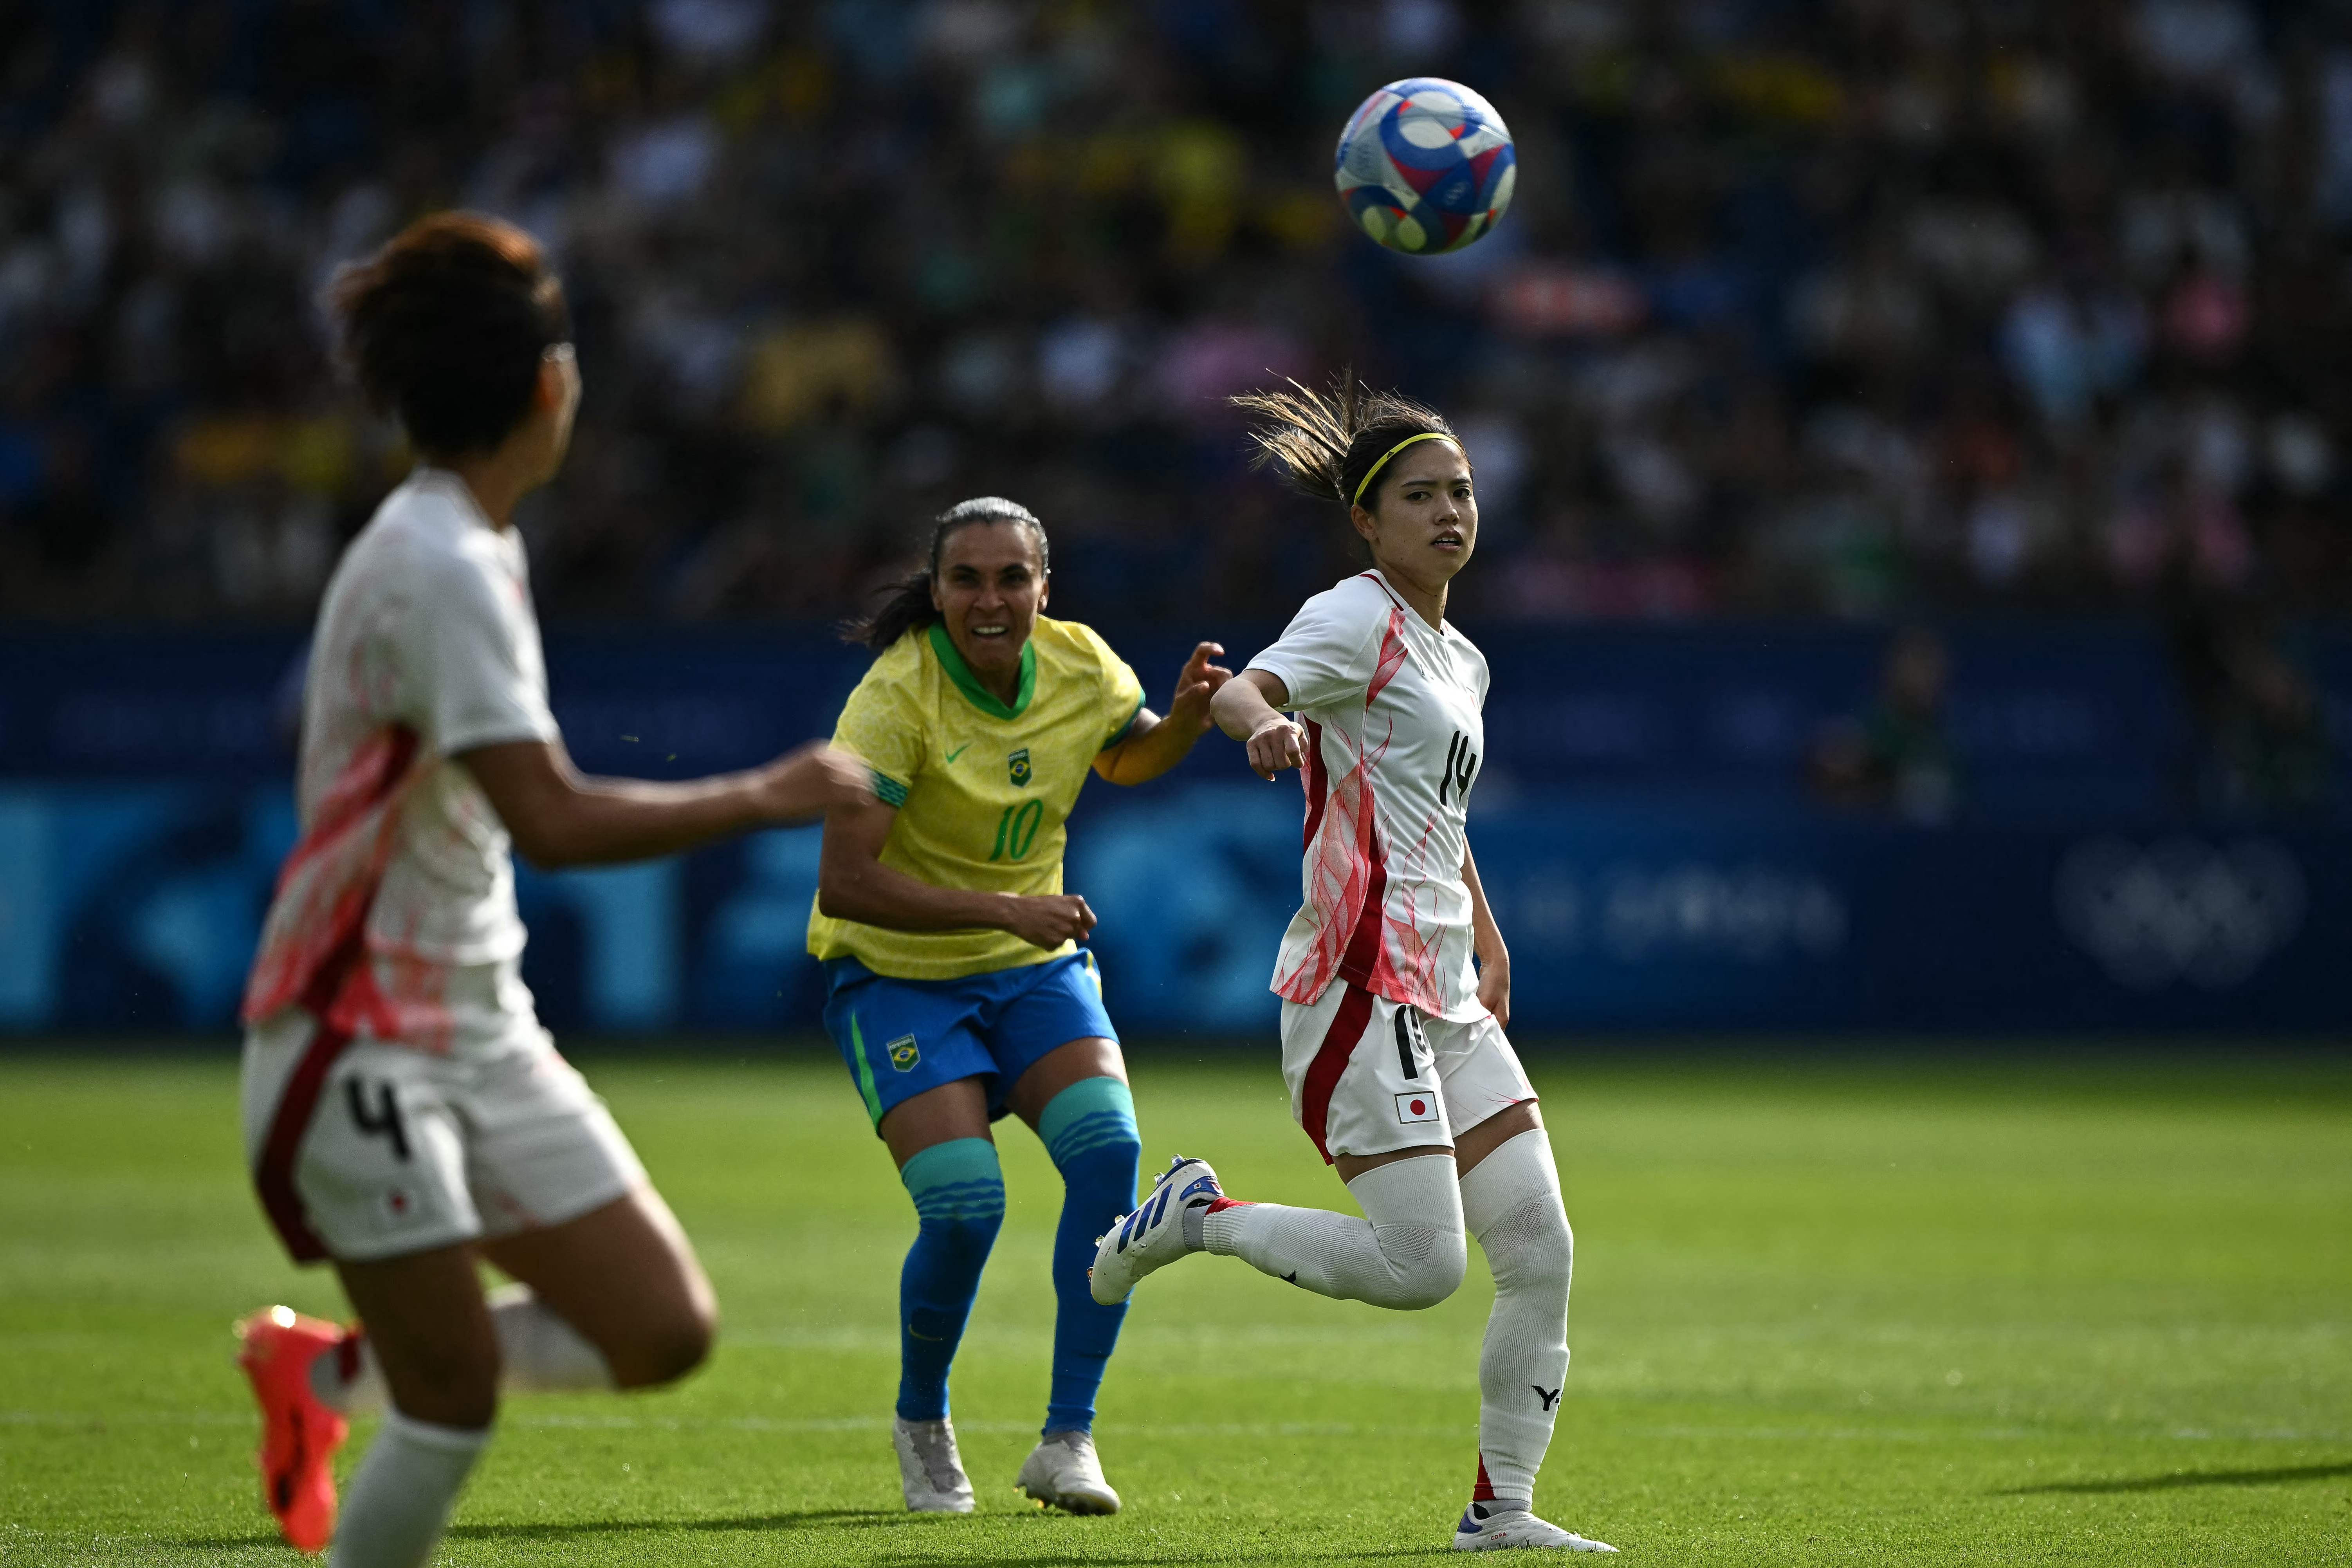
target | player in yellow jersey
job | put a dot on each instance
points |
(954, 984)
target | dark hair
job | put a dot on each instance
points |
(1327, 441)
(445, 326)
(909, 606)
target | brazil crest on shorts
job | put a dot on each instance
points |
(983, 787)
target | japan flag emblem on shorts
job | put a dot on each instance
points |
(1420, 1105)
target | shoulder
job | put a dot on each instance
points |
(899, 669)
(1347, 612)
(423, 598)
(897, 680)
(1075, 643)
(1358, 603)
(423, 532)
(903, 659)
(1361, 597)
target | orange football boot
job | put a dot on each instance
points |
(299, 1435)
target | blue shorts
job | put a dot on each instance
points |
(900, 1038)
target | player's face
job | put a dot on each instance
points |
(990, 587)
(1427, 524)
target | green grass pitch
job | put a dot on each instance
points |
(2011, 1312)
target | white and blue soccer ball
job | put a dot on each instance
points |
(1426, 165)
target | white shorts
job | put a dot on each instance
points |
(364, 1150)
(1368, 1076)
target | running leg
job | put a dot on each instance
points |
(939, 1138)
(1077, 1099)
(432, 1332)
(1511, 1202)
(1406, 1253)
(615, 1299)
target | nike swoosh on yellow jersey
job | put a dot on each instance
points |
(959, 751)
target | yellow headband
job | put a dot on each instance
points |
(1373, 472)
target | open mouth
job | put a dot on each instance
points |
(990, 631)
(1449, 539)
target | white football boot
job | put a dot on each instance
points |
(1063, 1471)
(929, 1469)
(1484, 1528)
(1155, 1234)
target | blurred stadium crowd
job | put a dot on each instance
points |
(1854, 307)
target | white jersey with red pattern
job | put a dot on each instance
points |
(426, 647)
(1392, 707)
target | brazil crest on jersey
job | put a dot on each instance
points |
(982, 789)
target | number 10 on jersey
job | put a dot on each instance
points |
(1016, 830)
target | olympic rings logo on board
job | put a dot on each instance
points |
(2180, 909)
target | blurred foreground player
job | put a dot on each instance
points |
(1392, 1038)
(405, 1116)
(954, 985)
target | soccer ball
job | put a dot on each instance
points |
(1426, 165)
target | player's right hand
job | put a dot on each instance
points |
(1049, 919)
(811, 780)
(1275, 746)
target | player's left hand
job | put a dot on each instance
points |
(1196, 683)
(1495, 988)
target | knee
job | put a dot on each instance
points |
(1426, 1264)
(1538, 1254)
(958, 1192)
(969, 1232)
(668, 1348)
(1089, 1131)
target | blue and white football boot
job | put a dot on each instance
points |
(1486, 1528)
(1155, 1234)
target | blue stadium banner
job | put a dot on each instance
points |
(1641, 821)
(133, 908)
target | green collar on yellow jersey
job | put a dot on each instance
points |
(980, 696)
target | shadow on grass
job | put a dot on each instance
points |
(817, 1519)
(1096, 1558)
(810, 1519)
(806, 1519)
(2178, 1478)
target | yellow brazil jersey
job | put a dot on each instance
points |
(982, 789)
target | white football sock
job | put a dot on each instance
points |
(399, 1502)
(1511, 1203)
(538, 1353)
(1408, 1253)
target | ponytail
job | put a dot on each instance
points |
(1330, 443)
(909, 607)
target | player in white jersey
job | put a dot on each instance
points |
(1395, 981)
(405, 1116)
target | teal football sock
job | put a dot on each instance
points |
(1090, 1130)
(959, 1192)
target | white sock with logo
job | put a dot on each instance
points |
(400, 1502)
(538, 1353)
(1511, 1203)
(1407, 1253)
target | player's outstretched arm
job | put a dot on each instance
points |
(851, 884)
(1153, 744)
(560, 816)
(1248, 708)
(1486, 939)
